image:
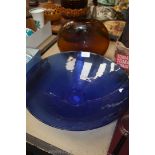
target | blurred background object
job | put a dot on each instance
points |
(125, 35)
(29, 32)
(52, 12)
(27, 8)
(34, 3)
(38, 17)
(122, 47)
(107, 2)
(94, 11)
(115, 28)
(120, 141)
(74, 9)
(30, 24)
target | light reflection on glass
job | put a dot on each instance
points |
(101, 70)
(112, 66)
(85, 70)
(118, 69)
(85, 54)
(121, 89)
(70, 63)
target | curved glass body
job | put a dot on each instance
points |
(84, 35)
(77, 91)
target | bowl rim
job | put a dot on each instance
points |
(96, 99)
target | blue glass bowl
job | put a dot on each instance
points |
(77, 91)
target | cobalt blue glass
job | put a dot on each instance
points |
(77, 91)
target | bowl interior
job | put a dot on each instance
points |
(76, 87)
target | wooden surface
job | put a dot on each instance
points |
(91, 142)
(47, 43)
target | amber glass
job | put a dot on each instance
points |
(72, 9)
(74, 4)
(86, 35)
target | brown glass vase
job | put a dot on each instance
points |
(84, 35)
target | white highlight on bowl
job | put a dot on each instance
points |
(121, 89)
(101, 70)
(112, 66)
(85, 70)
(85, 54)
(70, 63)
